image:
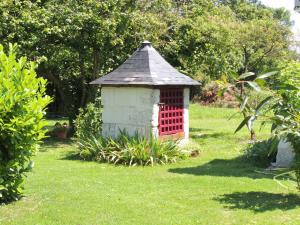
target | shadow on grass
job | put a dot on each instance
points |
(213, 135)
(256, 157)
(52, 142)
(72, 155)
(196, 129)
(236, 167)
(259, 201)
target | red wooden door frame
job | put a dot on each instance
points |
(171, 118)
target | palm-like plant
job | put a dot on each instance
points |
(250, 113)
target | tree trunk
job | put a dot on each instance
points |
(59, 87)
(253, 135)
(96, 62)
(66, 97)
(83, 84)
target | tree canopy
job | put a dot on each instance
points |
(78, 41)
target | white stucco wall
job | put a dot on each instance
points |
(186, 102)
(135, 109)
(130, 108)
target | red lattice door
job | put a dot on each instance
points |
(171, 111)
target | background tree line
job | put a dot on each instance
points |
(77, 41)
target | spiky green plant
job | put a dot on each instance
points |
(130, 150)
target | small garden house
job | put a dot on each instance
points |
(146, 95)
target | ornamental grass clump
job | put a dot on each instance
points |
(22, 109)
(130, 151)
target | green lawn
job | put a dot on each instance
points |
(218, 187)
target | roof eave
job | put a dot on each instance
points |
(146, 84)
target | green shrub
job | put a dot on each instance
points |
(129, 151)
(261, 153)
(286, 119)
(22, 108)
(59, 130)
(211, 95)
(89, 122)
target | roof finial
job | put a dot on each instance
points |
(146, 43)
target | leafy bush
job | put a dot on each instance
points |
(210, 95)
(22, 108)
(129, 151)
(59, 130)
(286, 119)
(262, 153)
(89, 122)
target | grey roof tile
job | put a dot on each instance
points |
(145, 67)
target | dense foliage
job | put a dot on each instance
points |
(286, 107)
(262, 153)
(22, 108)
(129, 150)
(88, 122)
(77, 41)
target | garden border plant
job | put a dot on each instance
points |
(130, 150)
(23, 101)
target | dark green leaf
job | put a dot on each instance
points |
(287, 87)
(261, 82)
(245, 75)
(244, 103)
(262, 104)
(242, 124)
(266, 75)
(254, 85)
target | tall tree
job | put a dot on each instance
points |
(263, 43)
(76, 41)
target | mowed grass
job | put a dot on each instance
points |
(218, 187)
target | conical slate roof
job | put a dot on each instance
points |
(145, 67)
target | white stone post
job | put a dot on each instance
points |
(285, 154)
(155, 113)
(186, 102)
